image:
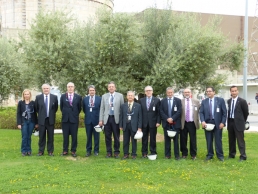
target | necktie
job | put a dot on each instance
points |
(111, 112)
(187, 116)
(148, 103)
(169, 107)
(210, 109)
(91, 101)
(129, 108)
(70, 100)
(46, 105)
(232, 109)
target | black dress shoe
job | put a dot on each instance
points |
(168, 157)
(108, 156)
(125, 157)
(74, 154)
(144, 156)
(231, 157)
(50, 154)
(29, 154)
(193, 157)
(96, 153)
(88, 154)
(64, 154)
(116, 156)
(221, 159)
(242, 160)
(40, 154)
(184, 157)
(24, 154)
(208, 158)
(133, 157)
(177, 158)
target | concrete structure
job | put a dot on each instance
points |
(16, 15)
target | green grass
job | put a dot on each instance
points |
(97, 174)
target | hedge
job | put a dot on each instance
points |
(8, 118)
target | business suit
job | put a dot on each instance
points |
(111, 122)
(130, 126)
(46, 123)
(176, 116)
(91, 119)
(150, 117)
(70, 120)
(189, 126)
(236, 126)
(219, 116)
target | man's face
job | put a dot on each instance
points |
(130, 97)
(111, 88)
(148, 91)
(45, 89)
(210, 93)
(170, 93)
(70, 88)
(234, 92)
(92, 91)
(187, 93)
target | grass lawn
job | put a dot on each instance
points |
(97, 174)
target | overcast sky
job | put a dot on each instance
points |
(227, 7)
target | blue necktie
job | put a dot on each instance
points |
(211, 110)
(169, 108)
(111, 112)
(46, 105)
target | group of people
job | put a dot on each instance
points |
(182, 116)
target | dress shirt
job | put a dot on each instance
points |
(212, 106)
(147, 98)
(233, 108)
(93, 99)
(171, 101)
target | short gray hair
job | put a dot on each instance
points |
(91, 86)
(170, 88)
(111, 82)
(130, 92)
(45, 85)
(148, 87)
(70, 83)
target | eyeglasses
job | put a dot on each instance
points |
(209, 91)
(148, 90)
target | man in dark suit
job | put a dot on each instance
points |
(150, 120)
(46, 105)
(237, 116)
(109, 117)
(170, 111)
(213, 111)
(70, 105)
(91, 108)
(189, 124)
(130, 121)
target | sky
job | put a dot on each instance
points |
(226, 7)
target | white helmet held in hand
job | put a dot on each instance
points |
(138, 135)
(36, 132)
(99, 128)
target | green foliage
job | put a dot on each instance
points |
(96, 174)
(8, 119)
(10, 68)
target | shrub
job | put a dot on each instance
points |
(8, 118)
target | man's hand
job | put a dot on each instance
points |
(203, 124)
(170, 120)
(19, 126)
(139, 129)
(121, 128)
(157, 124)
(100, 123)
(221, 125)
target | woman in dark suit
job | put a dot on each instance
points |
(26, 121)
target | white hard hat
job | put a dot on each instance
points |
(171, 133)
(99, 128)
(247, 125)
(138, 135)
(152, 157)
(209, 127)
(36, 133)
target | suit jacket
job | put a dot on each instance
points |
(219, 117)
(70, 113)
(22, 107)
(41, 109)
(176, 115)
(150, 117)
(105, 105)
(91, 117)
(240, 113)
(195, 107)
(136, 117)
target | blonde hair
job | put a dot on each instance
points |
(26, 90)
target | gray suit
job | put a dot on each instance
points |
(111, 122)
(105, 106)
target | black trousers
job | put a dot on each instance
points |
(128, 133)
(168, 143)
(189, 128)
(233, 136)
(153, 133)
(69, 129)
(112, 128)
(46, 130)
